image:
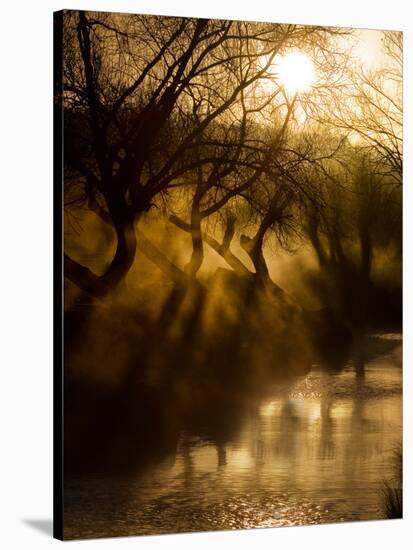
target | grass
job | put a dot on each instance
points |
(392, 501)
(392, 491)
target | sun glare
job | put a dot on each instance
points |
(296, 72)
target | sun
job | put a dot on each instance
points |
(296, 72)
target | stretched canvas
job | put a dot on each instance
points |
(228, 260)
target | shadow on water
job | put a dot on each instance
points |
(147, 397)
(133, 383)
(312, 450)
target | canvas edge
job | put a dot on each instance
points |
(58, 495)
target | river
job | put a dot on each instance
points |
(310, 451)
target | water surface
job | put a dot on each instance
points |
(312, 450)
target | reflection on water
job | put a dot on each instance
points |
(314, 451)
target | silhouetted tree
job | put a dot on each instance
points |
(130, 84)
(371, 107)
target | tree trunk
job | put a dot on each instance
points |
(124, 255)
(145, 246)
(81, 275)
(366, 252)
(197, 255)
(366, 259)
(100, 286)
(253, 247)
(222, 249)
(312, 230)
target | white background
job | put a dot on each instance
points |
(26, 270)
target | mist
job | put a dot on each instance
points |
(231, 242)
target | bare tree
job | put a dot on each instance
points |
(371, 107)
(130, 84)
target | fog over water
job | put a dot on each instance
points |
(232, 274)
(313, 450)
